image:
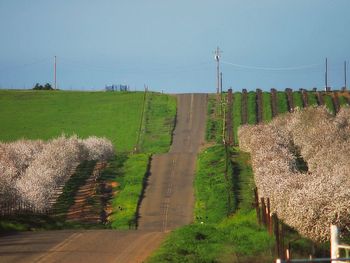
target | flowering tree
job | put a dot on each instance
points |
(32, 170)
(308, 201)
(98, 148)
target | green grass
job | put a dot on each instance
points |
(251, 107)
(47, 114)
(213, 189)
(237, 238)
(129, 191)
(282, 104)
(267, 111)
(214, 121)
(343, 101)
(237, 117)
(243, 173)
(159, 123)
(312, 98)
(297, 99)
(10, 226)
(328, 101)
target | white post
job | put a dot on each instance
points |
(334, 243)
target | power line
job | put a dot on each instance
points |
(301, 67)
(166, 69)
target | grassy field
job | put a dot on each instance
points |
(235, 238)
(282, 105)
(267, 112)
(251, 107)
(160, 116)
(312, 98)
(328, 101)
(343, 101)
(297, 99)
(43, 115)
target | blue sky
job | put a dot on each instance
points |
(169, 45)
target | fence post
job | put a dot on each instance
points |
(263, 210)
(282, 241)
(277, 234)
(334, 243)
(257, 208)
(268, 217)
(229, 117)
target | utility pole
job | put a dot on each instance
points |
(345, 84)
(326, 76)
(217, 58)
(221, 85)
(55, 85)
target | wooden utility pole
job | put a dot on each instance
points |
(217, 58)
(326, 76)
(345, 84)
(55, 80)
(221, 86)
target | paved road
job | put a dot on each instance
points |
(79, 246)
(168, 204)
(169, 197)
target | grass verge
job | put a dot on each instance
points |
(159, 123)
(131, 183)
(213, 187)
(214, 122)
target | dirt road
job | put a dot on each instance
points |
(168, 204)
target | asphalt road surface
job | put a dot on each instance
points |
(168, 204)
(169, 197)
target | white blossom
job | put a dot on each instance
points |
(308, 201)
(31, 170)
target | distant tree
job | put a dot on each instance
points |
(37, 87)
(47, 86)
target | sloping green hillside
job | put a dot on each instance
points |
(45, 114)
